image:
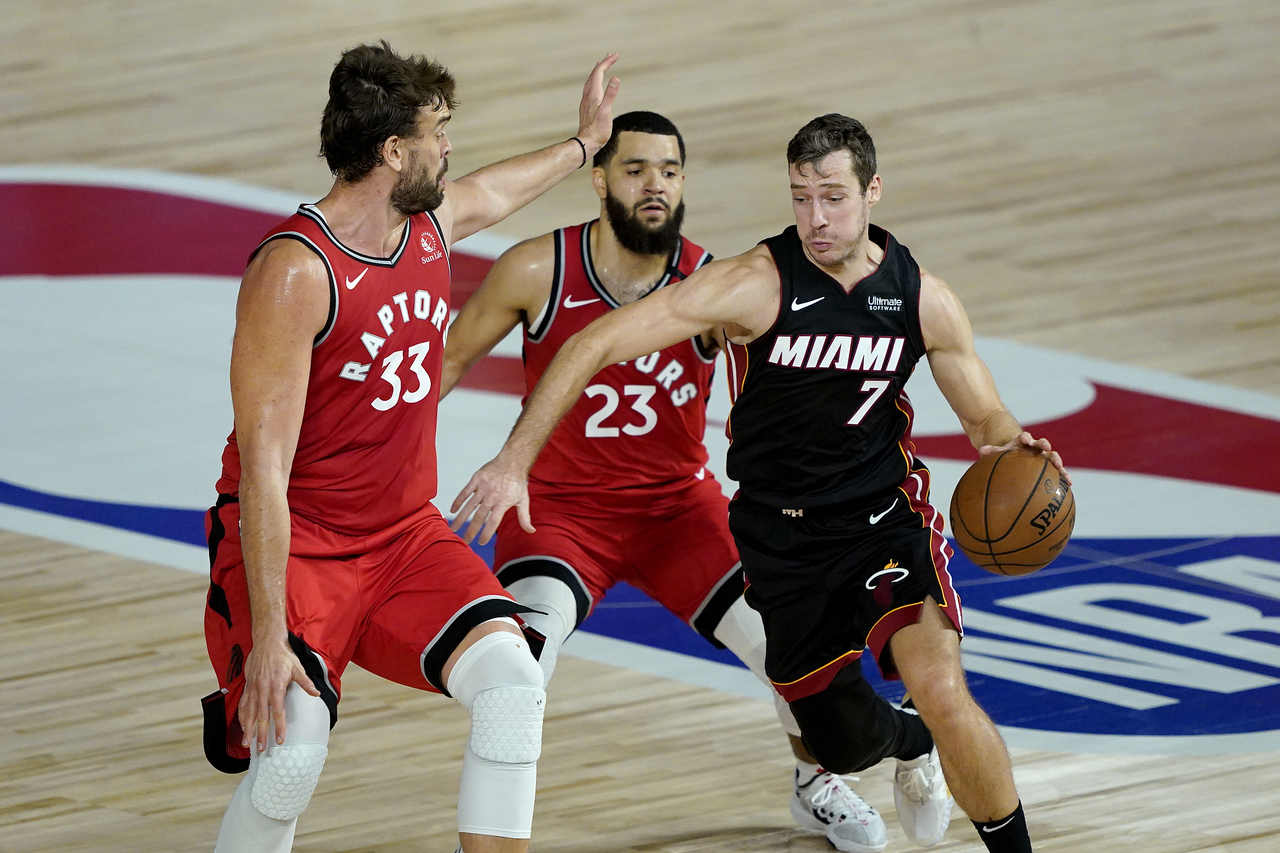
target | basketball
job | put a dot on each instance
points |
(1012, 513)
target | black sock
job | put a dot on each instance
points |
(1006, 834)
(916, 739)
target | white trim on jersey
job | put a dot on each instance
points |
(457, 614)
(313, 213)
(598, 286)
(736, 570)
(698, 346)
(582, 585)
(701, 349)
(323, 335)
(541, 325)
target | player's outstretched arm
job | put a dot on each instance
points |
(965, 380)
(740, 293)
(490, 194)
(283, 303)
(516, 287)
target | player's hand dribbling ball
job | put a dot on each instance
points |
(1012, 512)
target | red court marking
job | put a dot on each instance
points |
(56, 229)
(1124, 430)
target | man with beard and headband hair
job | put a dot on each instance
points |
(324, 545)
(621, 492)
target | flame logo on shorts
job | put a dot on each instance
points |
(890, 568)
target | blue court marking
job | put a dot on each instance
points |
(1140, 568)
(1090, 639)
(178, 525)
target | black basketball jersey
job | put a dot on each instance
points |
(820, 414)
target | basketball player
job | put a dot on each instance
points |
(621, 491)
(325, 547)
(825, 322)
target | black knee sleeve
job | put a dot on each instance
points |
(848, 727)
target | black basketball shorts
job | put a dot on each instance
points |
(832, 581)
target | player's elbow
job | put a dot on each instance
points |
(592, 347)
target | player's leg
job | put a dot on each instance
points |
(908, 544)
(822, 800)
(554, 573)
(494, 676)
(973, 755)
(442, 623)
(685, 558)
(263, 813)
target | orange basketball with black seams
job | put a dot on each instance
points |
(1012, 512)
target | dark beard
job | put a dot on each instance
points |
(637, 237)
(415, 196)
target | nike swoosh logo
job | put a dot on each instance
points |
(876, 516)
(1001, 826)
(352, 282)
(570, 302)
(797, 305)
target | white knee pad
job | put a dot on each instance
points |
(285, 775)
(557, 619)
(742, 632)
(500, 683)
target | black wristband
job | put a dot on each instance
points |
(583, 146)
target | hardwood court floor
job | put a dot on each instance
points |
(1098, 177)
(104, 666)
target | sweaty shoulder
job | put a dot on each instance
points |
(523, 273)
(743, 291)
(287, 278)
(943, 322)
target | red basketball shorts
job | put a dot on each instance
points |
(674, 545)
(397, 610)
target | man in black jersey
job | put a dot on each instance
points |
(823, 324)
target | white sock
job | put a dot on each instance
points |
(806, 771)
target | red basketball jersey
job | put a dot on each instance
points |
(366, 458)
(639, 424)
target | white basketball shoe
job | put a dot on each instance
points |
(921, 796)
(826, 804)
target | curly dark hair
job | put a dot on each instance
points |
(375, 94)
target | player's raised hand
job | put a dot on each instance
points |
(269, 668)
(595, 112)
(487, 496)
(1026, 441)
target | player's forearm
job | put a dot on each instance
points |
(506, 186)
(1000, 427)
(581, 357)
(451, 372)
(469, 341)
(264, 536)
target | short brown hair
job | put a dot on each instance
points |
(375, 94)
(833, 132)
